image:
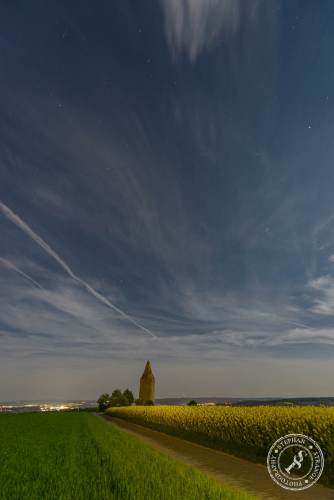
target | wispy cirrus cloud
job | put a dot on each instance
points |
(192, 26)
(9, 265)
(62, 318)
(15, 219)
(305, 335)
(323, 288)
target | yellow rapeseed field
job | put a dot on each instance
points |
(245, 431)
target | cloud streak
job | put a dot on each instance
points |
(193, 25)
(17, 221)
(10, 265)
(323, 303)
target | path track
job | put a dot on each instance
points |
(225, 468)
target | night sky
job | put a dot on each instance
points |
(166, 193)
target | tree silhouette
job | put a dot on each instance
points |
(129, 396)
(103, 401)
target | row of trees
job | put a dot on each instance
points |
(119, 398)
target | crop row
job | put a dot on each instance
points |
(69, 456)
(248, 432)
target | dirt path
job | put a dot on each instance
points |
(225, 468)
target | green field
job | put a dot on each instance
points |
(247, 432)
(77, 456)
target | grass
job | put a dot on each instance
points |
(247, 432)
(76, 456)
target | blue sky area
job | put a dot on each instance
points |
(166, 193)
